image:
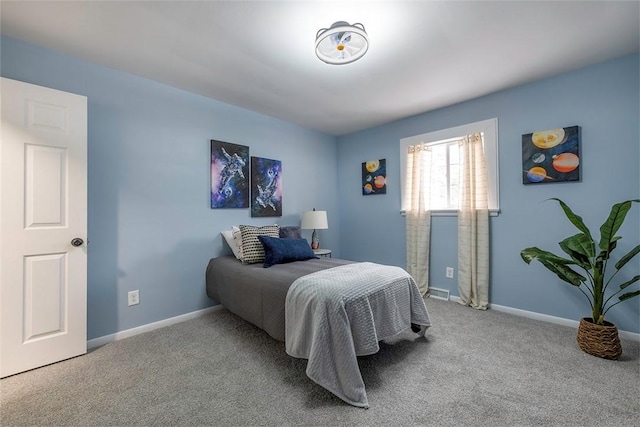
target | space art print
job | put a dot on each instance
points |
(266, 187)
(229, 175)
(551, 156)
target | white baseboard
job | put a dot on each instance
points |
(551, 319)
(106, 339)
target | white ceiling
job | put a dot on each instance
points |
(259, 55)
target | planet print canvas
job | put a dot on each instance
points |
(374, 177)
(551, 155)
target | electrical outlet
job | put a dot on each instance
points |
(449, 272)
(134, 297)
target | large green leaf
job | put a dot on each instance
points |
(630, 282)
(625, 259)
(605, 254)
(529, 254)
(614, 222)
(556, 264)
(581, 248)
(575, 219)
(629, 295)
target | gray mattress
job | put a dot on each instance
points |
(258, 294)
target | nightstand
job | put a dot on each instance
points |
(322, 252)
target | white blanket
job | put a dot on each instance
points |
(334, 315)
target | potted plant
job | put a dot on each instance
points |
(596, 336)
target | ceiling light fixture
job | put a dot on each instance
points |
(342, 43)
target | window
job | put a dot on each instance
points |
(445, 168)
(444, 193)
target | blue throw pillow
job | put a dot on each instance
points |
(280, 251)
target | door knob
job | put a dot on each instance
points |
(77, 241)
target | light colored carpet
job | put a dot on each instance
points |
(473, 368)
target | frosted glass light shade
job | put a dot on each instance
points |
(342, 43)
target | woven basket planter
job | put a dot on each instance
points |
(599, 340)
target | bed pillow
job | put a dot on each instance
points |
(231, 241)
(237, 237)
(252, 249)
(290, 232)
(280, 251)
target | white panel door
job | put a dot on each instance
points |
(43, 208)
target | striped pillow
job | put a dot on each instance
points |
(252, 249)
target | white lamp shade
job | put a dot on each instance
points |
(314, 220)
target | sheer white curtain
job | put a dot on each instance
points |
(418, 215)
(473, 225)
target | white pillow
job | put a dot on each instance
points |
(237, 237)
(231, 241)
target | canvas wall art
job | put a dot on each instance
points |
(374, 177)
(229, 175)
(551, 156)
(266, 187)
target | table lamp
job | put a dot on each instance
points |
(314, 220)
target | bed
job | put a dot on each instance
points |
(326, 310)
(258, 294)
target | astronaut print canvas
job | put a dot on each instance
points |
(266, 187)
(229, 175)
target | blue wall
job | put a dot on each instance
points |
(151, 228)
(150, 225)
(602, 99)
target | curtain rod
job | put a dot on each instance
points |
(413, 148)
